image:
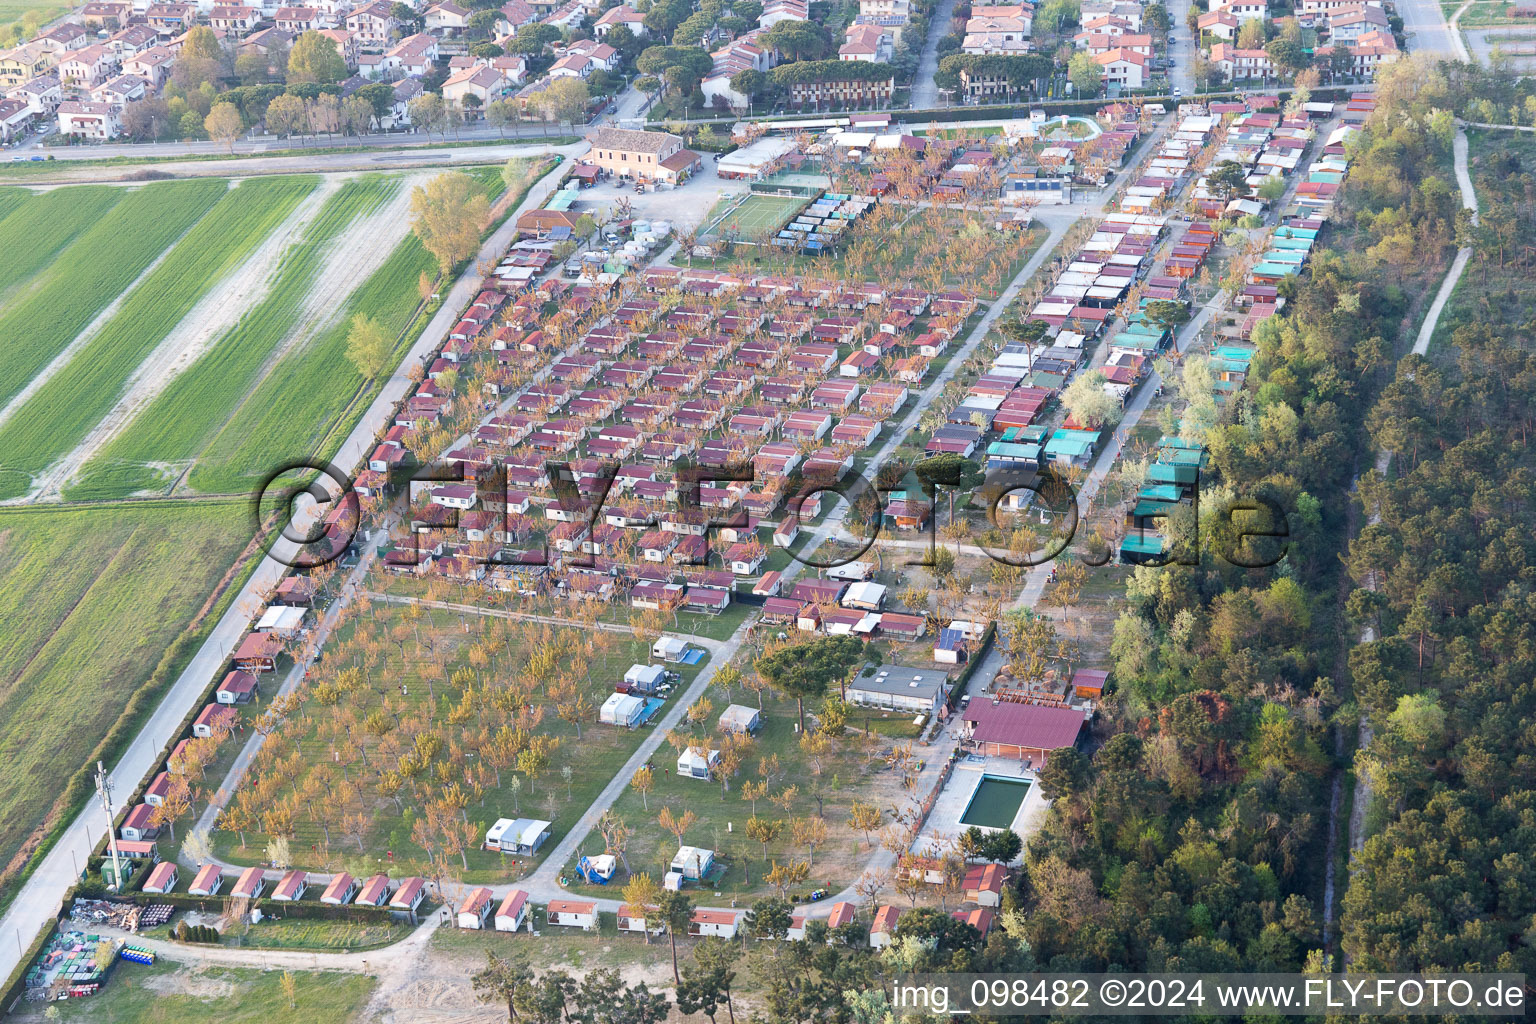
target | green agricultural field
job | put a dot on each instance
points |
(92, 597)
(314, 395)
(63, 410)
(35, 228)
(178, 425)
(64, 298)
(204, 995)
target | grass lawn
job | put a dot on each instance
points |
(65, 408)
(593, 758)
(93, 597)
(303, 933)
(227, 995)
(853, 771)
(14, 10)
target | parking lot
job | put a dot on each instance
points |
(684, 205)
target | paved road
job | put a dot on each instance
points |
(925, 93)
(1426, 29)
(1181, 48)
(39, 899)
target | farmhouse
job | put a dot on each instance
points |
(898, 688)
(572, 913)
(624, 153)
(513, 912)
(1023, 732)
(475, 908)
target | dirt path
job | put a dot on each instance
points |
(215, 314)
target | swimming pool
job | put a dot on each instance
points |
(995, 802)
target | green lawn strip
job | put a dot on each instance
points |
(92, 598)
(92, 271)
(226, 995)
(11, 198)
(310, 933)
(181, 421)
(63, 410)
(314, 395)
(35, 230)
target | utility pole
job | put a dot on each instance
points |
(104, 790)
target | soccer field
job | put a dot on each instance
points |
(756, 217)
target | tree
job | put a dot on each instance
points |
(1272, 188)
(1228, 179)
(643, 782)
(530, 40)
(764, 831)
(314, 59)
(565, 100)
(643, 894)
(1089, 404)
(1287, 55)
(769, 918)
(1003, 846)
(1166, 313)
(1250, 34)
(1085, 73)
(290, 986)
(676, 910)
(865, 818)
(201, 42)
(447, 215)
(428, 112)
(702, 990)
(677, 824)
(369, 348)
(285, 116)
(807, 670)
(505, 979)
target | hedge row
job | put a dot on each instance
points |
(16, 983)
(268, 907)
(957, 690)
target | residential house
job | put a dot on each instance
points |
(625, 153)
(153, 65)
(299, 20)
(866, 42)
(1240, 64)
(1125, 68)
(624, 15)
(475, 87)
(26, 62)
(1219, 25)
(842, 93)
(233, 17)
(88, 120)
(372, 25)
(446, 18)
(120, 91)
(170, 19)
(15, 117)
(41, 95)
(775, 11)
(139, 825)
(899, 688)
(1021, 732)
(237, 688)
(258, 651)
(1243, 10)
(63, 38)
(86, 67)
(107, 14)
(984, 885)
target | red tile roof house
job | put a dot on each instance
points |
(375, 892)
(842, 913)
(475, 908)
(292, 886)
(572, 913)
(340, 890)
(258, 652)
(162, 879)
(250, 884)
(155, 794)
(713, 922)
(513, 912)
(214, 718)
(980, 919)
(208, 881)
(984, 884)
(139, 825)
(1023, 732)
(409, 895)
(883, 931)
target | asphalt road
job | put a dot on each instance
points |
(925, 94)
(1426, 29)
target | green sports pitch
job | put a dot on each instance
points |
(757, 216)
